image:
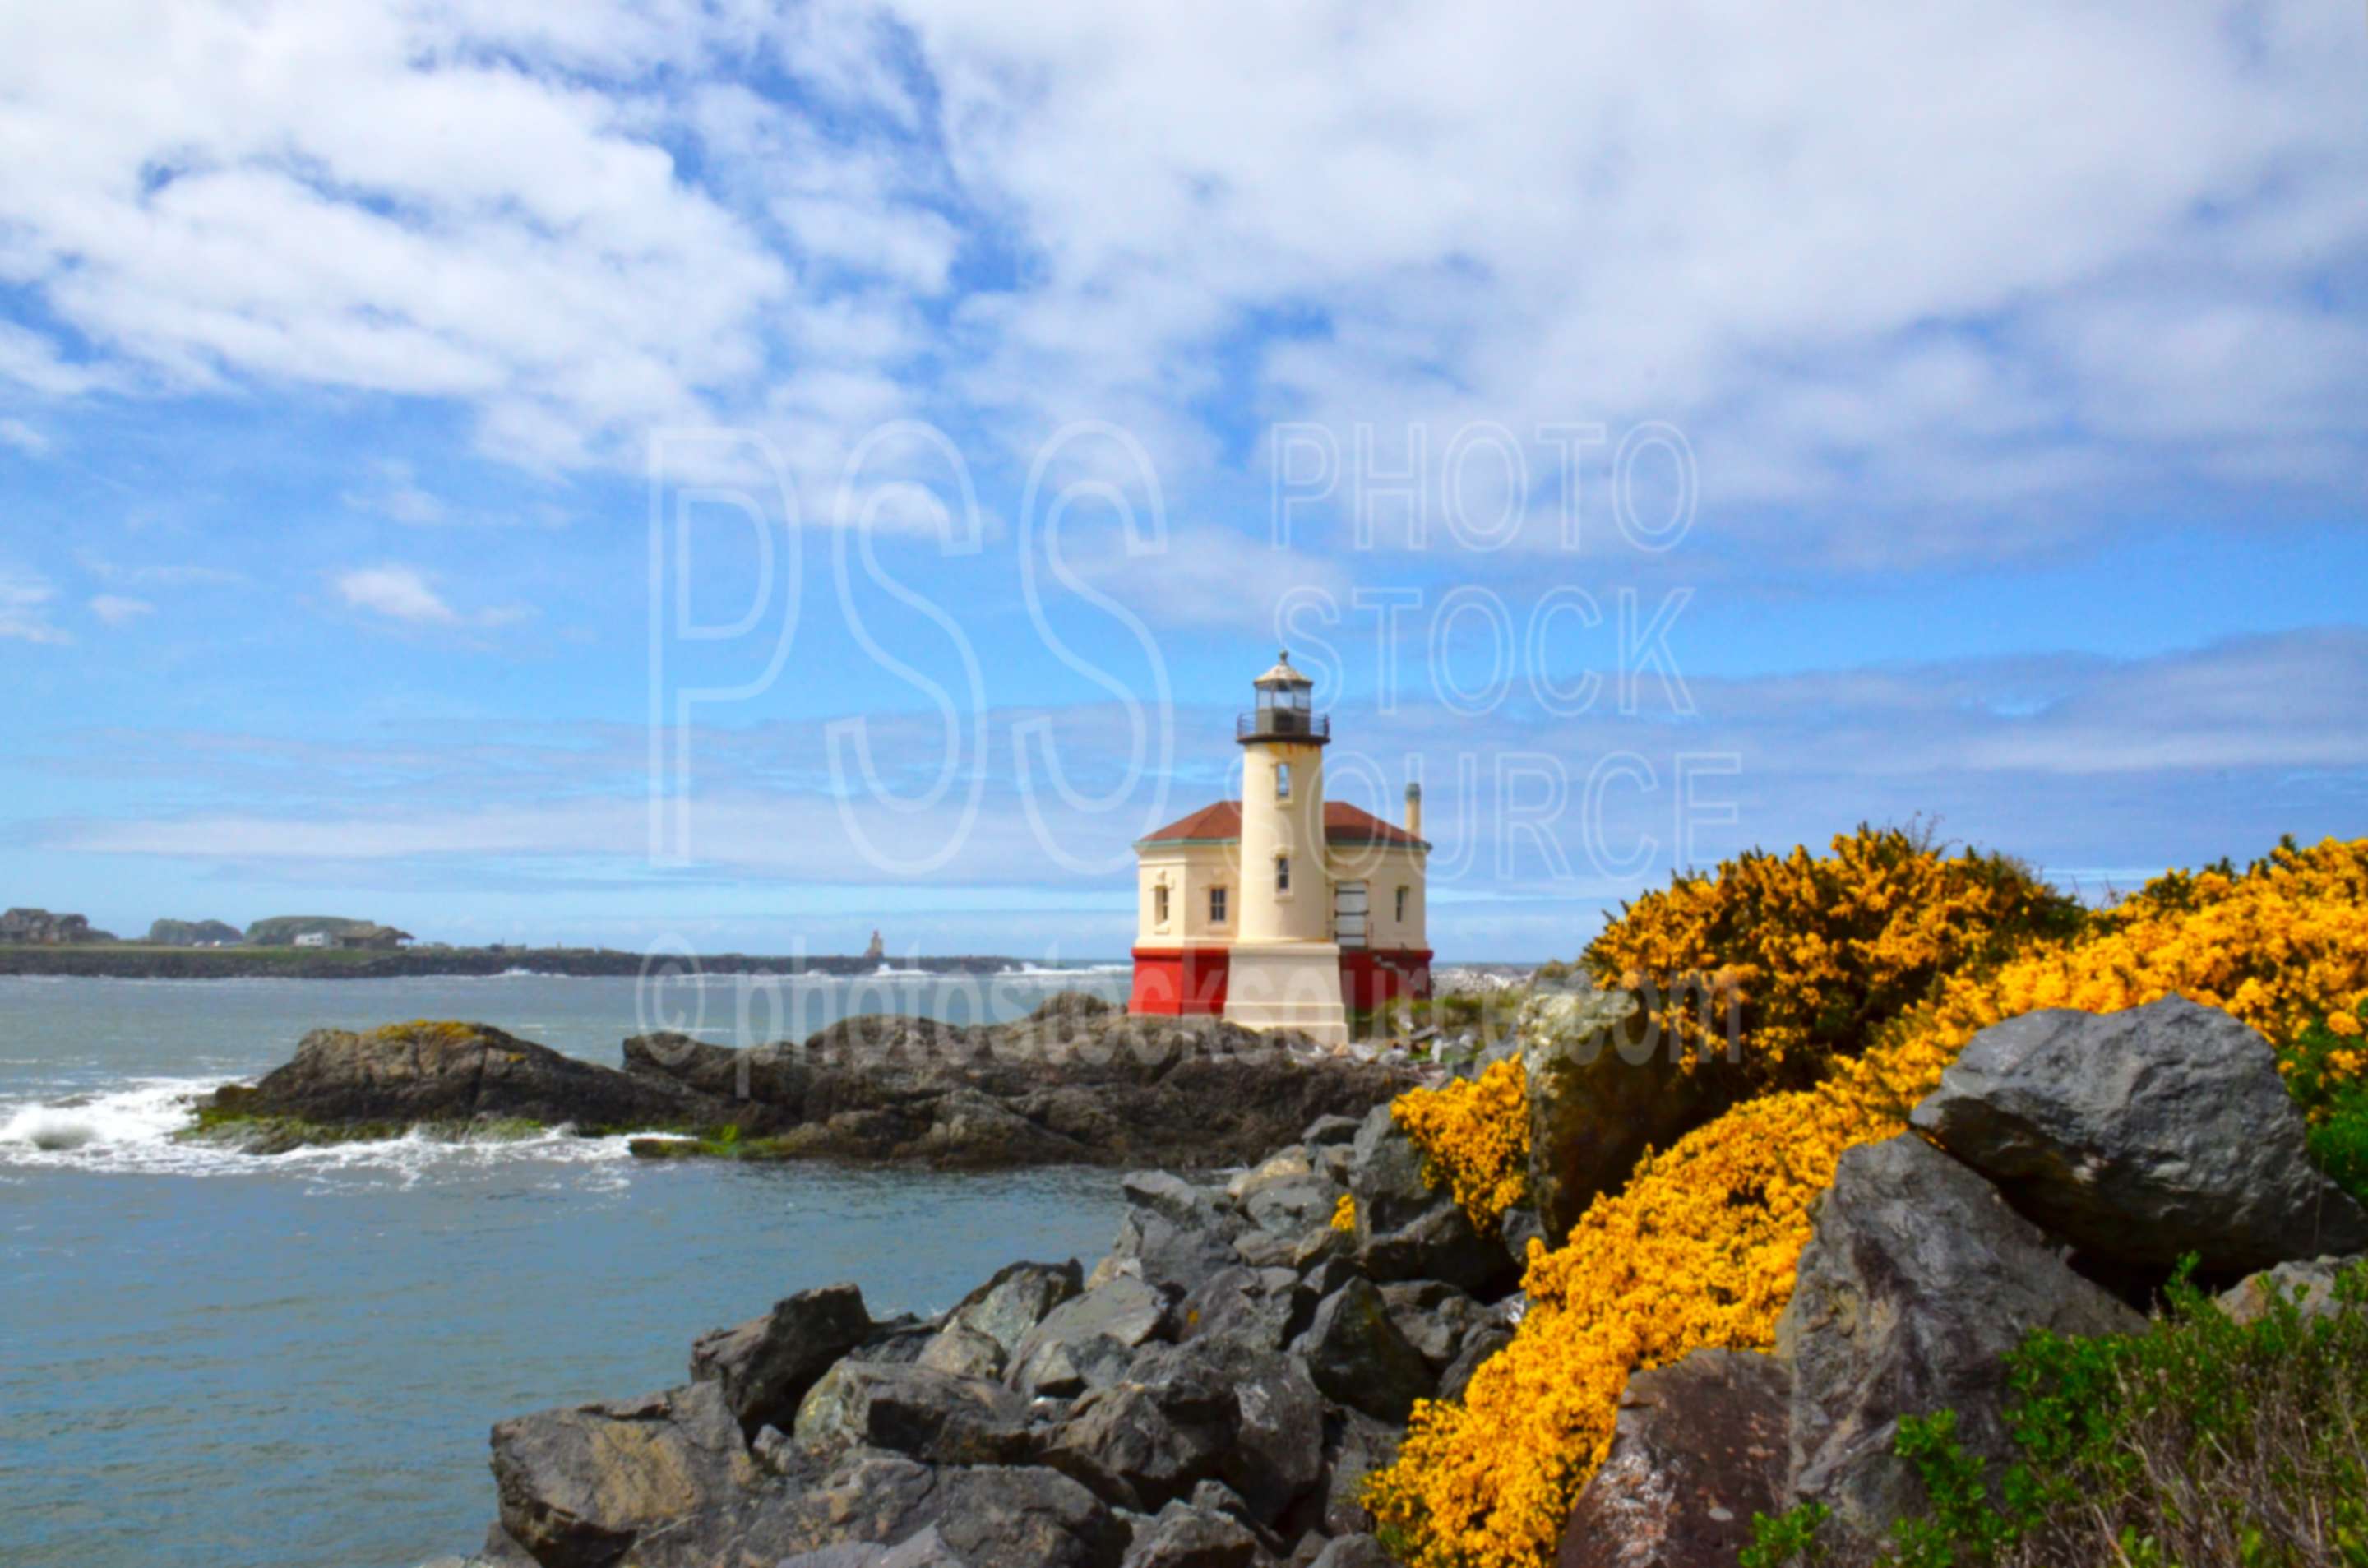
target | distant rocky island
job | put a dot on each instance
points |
(336, 947)
(141, 960)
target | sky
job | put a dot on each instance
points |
(734, 476)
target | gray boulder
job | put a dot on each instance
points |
(1283, 1165)
(1355, 1447)
(1088, 1341)
(986, 1517)
(914, 1410)
(1603, 1088)
(927, 1549)
(1243, 1303)
(1171, 1198)
(1916, 1281)
(1354, 1551)
(963, 1352)
(766, 1365)
(1326, 1131)
(1274, 1450)
(578, 1487)
(1183, 1536)
(2143, 1135)
(1697, 1447)
(1293, 1206)
(1188, 1415)
(1434, 1316)
(1481, 1342)
(1017, 1300)
(2309, 1286)
(1356, 1354)
(1137, 1448)
(1405, 1229)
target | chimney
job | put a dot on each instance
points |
(1414, 809)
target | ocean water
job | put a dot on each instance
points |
(218, 1358)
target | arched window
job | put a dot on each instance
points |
(1282, 873)
(1159, 904)
(1402, 904)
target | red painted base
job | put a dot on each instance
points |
(1173, 982)
(1370, 978)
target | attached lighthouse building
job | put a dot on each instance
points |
(1281, 909)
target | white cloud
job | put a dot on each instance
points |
(115, 610)
(24, 437)
(1981, 272)
(25, 600)
(394, 492)
(406, 594)
(399, 593)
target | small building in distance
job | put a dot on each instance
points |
(878, 951)
(311, 939)
(1281, 909)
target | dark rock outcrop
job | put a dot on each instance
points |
(1071, 1087)
(438, 1073)
(1088, 1341)
(1405, 1229)
(1183, 1536)
(1917, 1280)
(1602, 1088)
(2143, 1135)
(766, 1365)
(915, 1410)
(1018, 1299)
(1356, 1355)
(1699, 1448)
(578, 1487)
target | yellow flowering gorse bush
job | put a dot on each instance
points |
(1475, 1136)
(1698, 1249)
(1815, 952)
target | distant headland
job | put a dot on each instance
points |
(322, 946)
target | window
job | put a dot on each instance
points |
(1282, 782)
(1217, 906)
(1159, 904)
(1401, 902)
(1282, 873)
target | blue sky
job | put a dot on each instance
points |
(1969, 408)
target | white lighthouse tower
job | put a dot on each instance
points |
(1285, 966)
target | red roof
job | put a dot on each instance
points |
(1221, 822)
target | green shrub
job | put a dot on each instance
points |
(2324, 1070)
(2201, 1441)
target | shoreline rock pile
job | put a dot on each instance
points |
(1212, 1394)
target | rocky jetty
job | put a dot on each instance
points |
(1077, 1082)
(1211, 1394)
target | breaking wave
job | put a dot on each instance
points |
(137, 1129)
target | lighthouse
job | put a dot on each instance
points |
(1282, 909)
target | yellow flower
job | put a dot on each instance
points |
(1475, 1136)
